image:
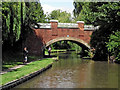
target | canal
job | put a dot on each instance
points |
(73, 72)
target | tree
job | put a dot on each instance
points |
(82, 12)
(108, 20)
(34, 14)
(11, 22)
(105, 15)
(17, 18)
(114, 45)
(61, 16)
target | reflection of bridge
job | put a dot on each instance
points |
(48, 33)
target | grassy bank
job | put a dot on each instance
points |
(25, 70)
(16, 59)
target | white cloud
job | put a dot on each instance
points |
(56, 1)
(49, 8)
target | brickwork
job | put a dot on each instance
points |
(50, 34)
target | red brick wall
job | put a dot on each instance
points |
(87, 35)
(47, 34)
(34, 44)
(40, 37)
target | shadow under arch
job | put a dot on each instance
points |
(76, 40)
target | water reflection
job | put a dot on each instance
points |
(73, 72)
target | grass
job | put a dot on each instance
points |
(46, 52)
(11, 64)
(58, 50)
(17, 60)
(55, 50)
(25, 70)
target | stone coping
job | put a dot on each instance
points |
(67, 25)
(53, 20)
(80, 21)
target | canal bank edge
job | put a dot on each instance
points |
(24, 78)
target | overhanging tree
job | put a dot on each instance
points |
(16, 20)
(103, 14)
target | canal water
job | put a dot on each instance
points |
(73, 72)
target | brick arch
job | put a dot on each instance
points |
(48, 33)
(67, 38)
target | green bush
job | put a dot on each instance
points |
(114, 45)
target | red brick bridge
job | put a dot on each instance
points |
(47, 33)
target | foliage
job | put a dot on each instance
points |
(109, 21)
(81, 12)
(17, 18)
(114, 45)
(60, 45)
(34, 12)
(11, 21)
(66, 45)
(105, 15)
(61, 16)
(74, 46)
(90, 53)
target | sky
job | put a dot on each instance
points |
(50, 5)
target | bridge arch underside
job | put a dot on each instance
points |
(80, 42)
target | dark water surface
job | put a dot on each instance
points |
(73, 72)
